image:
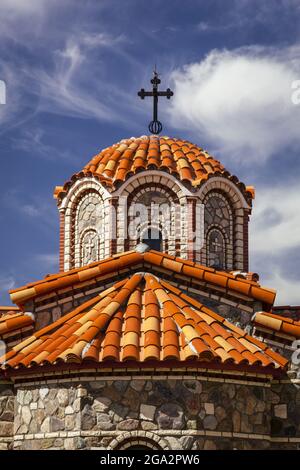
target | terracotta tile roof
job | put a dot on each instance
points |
(277, 323)
(186, 161)
(142, 318)
(13, 320)
(157, 261)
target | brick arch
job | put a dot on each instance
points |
(227, 187)
(171, 240)
(143, 438)
(152, 177)
(216, 228)
(80, 186)
(237, 247)
(163, 230)
(228, 236)
(71, 237)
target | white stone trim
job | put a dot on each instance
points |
(221, 183)
(86, 182)
(157, 435)
(138, 437)
(153, 176)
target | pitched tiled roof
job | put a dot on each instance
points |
(142, 318)
(159, 262)
(277, 324)
(13, 320)
(186, 161)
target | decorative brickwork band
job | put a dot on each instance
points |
(61, 241)
(246, 241)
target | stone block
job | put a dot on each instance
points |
(209, 408)
(280, 411)
(147, 412)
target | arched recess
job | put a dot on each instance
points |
(218, 231)
(154, 206)
(70, 232)
(237, 246)
(156, 181)
(87, 219)
(155, 237)
(145, 439)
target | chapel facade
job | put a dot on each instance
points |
(154, 333)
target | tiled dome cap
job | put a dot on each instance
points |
(185, 161)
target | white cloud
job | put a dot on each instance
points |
(275, 223)
(287, 290)
(275, 239)
(240, 101)
(21, 6)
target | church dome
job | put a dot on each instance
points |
(184, 160)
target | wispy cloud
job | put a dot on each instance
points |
(6, 282)
(33, 140)
(48, 261)
(29, 205)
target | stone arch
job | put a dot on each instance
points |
(161, 217)
(85, 192)
(159, 228)
(218, 219)
(138, 438)
(78, 187)
(161, 189)
(87, 215)
(232, 192)
(237, 246)
(150, 177)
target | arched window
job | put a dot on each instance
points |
(218, 226)
(216, 249)
(153, 238)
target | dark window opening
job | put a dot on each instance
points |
(153, 238)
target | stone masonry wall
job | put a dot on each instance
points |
(173, 413)
(6, 415)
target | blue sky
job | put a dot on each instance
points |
(72, 70)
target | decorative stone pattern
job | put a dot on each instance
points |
(88, 229)
(218, 222)
(171, 413)
(90, 209)
(159, 199)
(85, 207)
(237, 243)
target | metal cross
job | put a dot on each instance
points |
(155, 126)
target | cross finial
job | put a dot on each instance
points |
(155, 126)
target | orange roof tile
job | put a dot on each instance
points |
(277, 323)
(11, 319)
(186, 161)
(157, 260)
(142, 318)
